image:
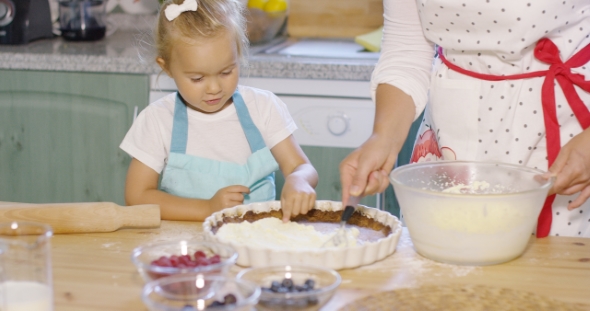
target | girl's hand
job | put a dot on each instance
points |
(571, 169)
(227, 197)
(297, 197)
(301, 178)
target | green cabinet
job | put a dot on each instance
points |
(60, 132)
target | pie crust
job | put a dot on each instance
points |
(365, 253)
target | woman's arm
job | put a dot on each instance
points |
(298, 194)
(399, 87)
(365, 171)
(141, 187)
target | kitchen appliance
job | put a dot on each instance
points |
(22, 21)
(82, 20)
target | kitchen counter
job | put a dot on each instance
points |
(94, 271)
(127, 49)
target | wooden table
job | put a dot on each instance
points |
(94, 271)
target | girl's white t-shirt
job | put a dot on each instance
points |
(218, 136)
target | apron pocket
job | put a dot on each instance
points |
(454, 106)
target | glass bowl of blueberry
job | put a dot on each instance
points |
(191, 292)
(293, 287)
(162, 259)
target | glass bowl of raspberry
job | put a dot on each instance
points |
(162, 259)
(293, 287)
(191, 292)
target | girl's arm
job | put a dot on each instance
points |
(298, 195)
(141, 187)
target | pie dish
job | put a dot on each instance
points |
(380, 232)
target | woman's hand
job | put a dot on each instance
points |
(365, 170)
(227, 197)
(571, 169)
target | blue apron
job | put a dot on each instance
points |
(200, 178)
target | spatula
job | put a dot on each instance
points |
(340, 235)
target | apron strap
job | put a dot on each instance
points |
(252, 133)
(179, 127)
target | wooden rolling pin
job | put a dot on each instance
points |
(83, 217)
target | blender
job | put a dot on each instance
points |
(82, 20)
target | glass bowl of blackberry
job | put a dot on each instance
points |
(167, 258)
(191, 292)
(293, 287)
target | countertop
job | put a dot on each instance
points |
(127, 49)
(93, 271)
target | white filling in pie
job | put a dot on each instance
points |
(274, 234)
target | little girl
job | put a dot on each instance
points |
(216, 143)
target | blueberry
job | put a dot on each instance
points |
(287, 283)
(216, 304)
(310, 283)
(283, 290)
(229, 299)
(274, 286)
(300, 288)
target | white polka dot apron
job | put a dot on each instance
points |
(471, 118)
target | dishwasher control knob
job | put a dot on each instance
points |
(7, 12)
(338, 124)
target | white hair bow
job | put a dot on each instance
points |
(173, 10)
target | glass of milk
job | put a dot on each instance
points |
(25, 267)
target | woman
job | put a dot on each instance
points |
(510, 83)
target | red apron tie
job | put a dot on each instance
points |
(547, 52)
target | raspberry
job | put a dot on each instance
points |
(215, 259)
(164, 262)
(200, 254)
(202, 261)
(186, 261)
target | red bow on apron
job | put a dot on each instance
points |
(547, 52)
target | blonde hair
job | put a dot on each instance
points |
(211, 18)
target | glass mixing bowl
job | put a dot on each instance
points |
(469, 213)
